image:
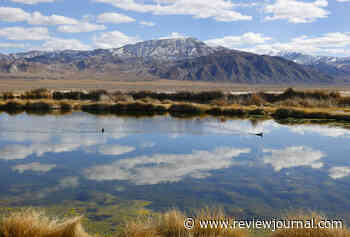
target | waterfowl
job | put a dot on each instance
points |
(260, 134)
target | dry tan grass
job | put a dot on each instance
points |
(32, 223)
(171, 224)
(310, 232)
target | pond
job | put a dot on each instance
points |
(158, 163)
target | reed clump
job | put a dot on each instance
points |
(8, 95)
(204, 97)
(44, 106)
(289, 104)
(94, 95)
(65, 106)
(318, 230)
(33, 223)
(171, 224)
(41, 93)
(125, 108)
(13, 105)
(186, 108)
(284, 113)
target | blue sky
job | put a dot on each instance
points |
(317, 27)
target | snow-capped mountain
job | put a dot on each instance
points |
(310, 60)
(178, 59)
(4, 57)
(163, 50)
(327, 64)
(338, 66)
(166, 49)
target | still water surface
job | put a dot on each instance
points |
(169, 162)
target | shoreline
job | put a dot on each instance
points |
(36, 222)
(291, 104)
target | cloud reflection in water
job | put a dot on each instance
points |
(160, 168)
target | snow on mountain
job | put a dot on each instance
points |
(166, 49)
(337, 66)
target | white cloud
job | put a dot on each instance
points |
(68, 182)
(20, 33)
(339, 172)
(115, 18)
(9, 14)
(15, 152)
(31, 1)
(249, 38)
(13, 45)
(174, 35)
(343, 0)
(219, 10)
(330, 43)
(81, 27)
(113, 39)
(35, 167)
(166, 167)
(19, 152)
(240, 128)
(114, 149)
(321, 130)
(147, 23)
(148, 144)
(293, 157)
(63, 44)
(37, 18)
(61, 134)
(297, 11)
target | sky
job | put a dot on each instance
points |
(316, 27)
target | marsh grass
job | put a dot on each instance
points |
(41, 93)
(289, 104)
(125, 108)
(171, 224)
(33, 223)
(310, 232)
(186, 108)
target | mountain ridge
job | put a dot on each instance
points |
(241, 67)
(165, 58)
(334, 66)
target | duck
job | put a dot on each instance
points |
(259, 134)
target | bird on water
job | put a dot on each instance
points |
(259, 134)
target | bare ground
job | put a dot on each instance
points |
(14, 84)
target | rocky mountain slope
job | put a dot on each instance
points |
(241, 67)
(180, 59)
(166, 49)
(335, 66)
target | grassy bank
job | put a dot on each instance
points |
(319, 105)
(33, 223)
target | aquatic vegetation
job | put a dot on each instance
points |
(39, 106)
(181, 96)
(185, 108)
(41, 93)
(125, 108)
(289, 104)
